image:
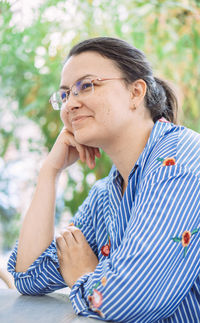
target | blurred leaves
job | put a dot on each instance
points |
(31, 56)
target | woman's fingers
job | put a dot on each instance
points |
(90, 159)
(86, 154)
(97, 152)
(68, 237)
(91, 153)
(80, 148)
(92, 156)
(82, 153)
(60, 243)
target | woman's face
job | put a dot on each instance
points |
(99, 118)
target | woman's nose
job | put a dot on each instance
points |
(71, 104)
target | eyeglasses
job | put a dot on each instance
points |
(81, 88)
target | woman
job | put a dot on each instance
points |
(133, 251)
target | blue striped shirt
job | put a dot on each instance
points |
(147, 240)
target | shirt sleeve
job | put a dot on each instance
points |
(41, 277)
(150, 273)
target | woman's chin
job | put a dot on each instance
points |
(81, 137)
(85, 139)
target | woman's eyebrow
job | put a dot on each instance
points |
(65, 87)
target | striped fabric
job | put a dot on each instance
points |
(143, 274)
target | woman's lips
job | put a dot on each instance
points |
(78, 119)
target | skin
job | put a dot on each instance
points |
(119, 124)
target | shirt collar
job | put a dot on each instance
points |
(160, 128)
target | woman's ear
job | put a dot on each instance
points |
(138, 90)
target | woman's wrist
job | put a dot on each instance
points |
(48, 170)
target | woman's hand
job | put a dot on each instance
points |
(75, 256)
(66, 151)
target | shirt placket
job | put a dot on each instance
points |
(122, 214)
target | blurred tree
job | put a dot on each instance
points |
(32, 52)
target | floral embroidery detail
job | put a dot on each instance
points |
(164, 120)
(167, 161)
(105, 250)
(185, 239)
(104, 281)
(92, 303)
(94, 287)
(96, 298)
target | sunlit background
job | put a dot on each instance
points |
(35, 37)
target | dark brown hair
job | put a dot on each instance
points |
(160, 99)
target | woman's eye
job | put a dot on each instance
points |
(86, 86)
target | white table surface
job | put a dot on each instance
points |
(51, 308)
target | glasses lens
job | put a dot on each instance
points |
(57, 99)
(83, 86)
(63, 96)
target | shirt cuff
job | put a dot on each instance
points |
(36, 268)
(77, 293)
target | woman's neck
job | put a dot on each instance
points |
(125, 151)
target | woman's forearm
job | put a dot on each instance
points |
(37, 230)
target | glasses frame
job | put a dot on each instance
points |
(55, 103)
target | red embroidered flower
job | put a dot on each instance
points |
(90, 299)
(186, 238)
(105, 250)
(96, 299)
(167, 161)
(93, 308)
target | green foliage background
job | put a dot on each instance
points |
(167, 31)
